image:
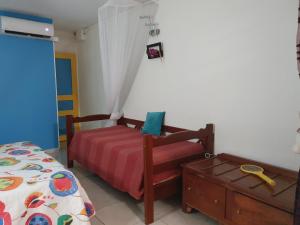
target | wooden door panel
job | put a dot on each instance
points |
(246, 211)
(204, 196)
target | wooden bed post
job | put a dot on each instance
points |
(70, 134)
(148, 180)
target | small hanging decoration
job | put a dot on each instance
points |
(154, 32)
(155, 50)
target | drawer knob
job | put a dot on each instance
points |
(189, 188)
(238, 212)
(216, 201)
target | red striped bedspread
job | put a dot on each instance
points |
(116, 155)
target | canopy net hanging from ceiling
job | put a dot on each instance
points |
(123, 37)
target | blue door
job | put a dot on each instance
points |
(67, 90)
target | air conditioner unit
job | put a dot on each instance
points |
(26, 27)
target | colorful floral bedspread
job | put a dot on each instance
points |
(37, 190)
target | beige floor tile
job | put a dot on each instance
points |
(180, 218)
(97, 194)
(162, 208)
(155, 223)
(95, 221)
(119, 214)
(109, 189)
(135, 210)
(60, 155)
(80, 172)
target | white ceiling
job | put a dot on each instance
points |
(68, 15)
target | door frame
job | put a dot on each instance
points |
(74, 96)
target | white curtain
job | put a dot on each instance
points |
(123, 39)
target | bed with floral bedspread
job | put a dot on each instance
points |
(35, 189)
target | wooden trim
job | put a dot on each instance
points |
(63, 55)
(179, 136)
(65, 112)
(90, 118)
(175, 163)
(125, 121)
(139, 124)
(65, 97)
(75, 85)
(62, 138)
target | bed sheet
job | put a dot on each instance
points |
(35, 189)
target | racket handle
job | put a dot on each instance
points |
(267, 179)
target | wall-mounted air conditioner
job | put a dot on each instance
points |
(26, 27)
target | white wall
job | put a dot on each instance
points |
(90, 80)
(232, 63)
(66, 43)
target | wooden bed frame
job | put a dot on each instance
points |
(169, 186)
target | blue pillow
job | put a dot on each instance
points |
(153, 123)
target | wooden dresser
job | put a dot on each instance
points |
(217, 188)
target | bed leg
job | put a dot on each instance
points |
(149, 210)
(70, 164)
(148, 180)
(186, 208)
(69, 126)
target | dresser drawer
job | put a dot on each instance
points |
(243, 210)
(205, 196)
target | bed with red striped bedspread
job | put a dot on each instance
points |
(116, 155)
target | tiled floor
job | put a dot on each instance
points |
(117, 208)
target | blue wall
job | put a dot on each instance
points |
(25, 16)
(28, 109)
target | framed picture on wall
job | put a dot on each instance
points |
(155, 50)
